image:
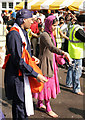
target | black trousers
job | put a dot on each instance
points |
(18, 108)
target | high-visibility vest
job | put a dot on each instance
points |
(75, 46)
(58, 38)
(29, 33)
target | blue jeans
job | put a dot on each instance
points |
(73, 75)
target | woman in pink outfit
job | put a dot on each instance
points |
(48, 59)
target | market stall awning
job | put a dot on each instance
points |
(44, 4)
(77, 5)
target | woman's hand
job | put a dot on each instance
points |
(41, 78)
(67, 56)
(37, 61)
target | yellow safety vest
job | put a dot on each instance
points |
(58, 38)
(29, 33)
(75, 46)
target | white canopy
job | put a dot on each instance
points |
(44, 4)
(75, 5)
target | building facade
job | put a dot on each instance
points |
(8, 5)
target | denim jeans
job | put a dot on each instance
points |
(73, 75)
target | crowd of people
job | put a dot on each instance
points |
(65, 19)
(49, 37)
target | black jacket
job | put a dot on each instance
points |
(14, 83)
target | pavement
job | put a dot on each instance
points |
(67, 105)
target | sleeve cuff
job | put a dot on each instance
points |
(34, 74)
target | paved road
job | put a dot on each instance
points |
(66, 105)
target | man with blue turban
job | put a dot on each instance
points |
(17, 87)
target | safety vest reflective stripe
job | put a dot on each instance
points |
(73, 34)
(71, 37)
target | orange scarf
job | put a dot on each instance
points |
(34, 84)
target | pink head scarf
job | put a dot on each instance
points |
(48, 23)
(48, 26)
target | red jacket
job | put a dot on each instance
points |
(34, 27)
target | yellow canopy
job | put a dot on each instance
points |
(75, 5)
(44, 4)
(19, 6)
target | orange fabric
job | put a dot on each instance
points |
(14, 28)
(5, 61)
(6, 11)
(34, 84)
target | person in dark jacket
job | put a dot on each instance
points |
(15, 85)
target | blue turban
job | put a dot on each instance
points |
(23, 14)
(13, 15)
